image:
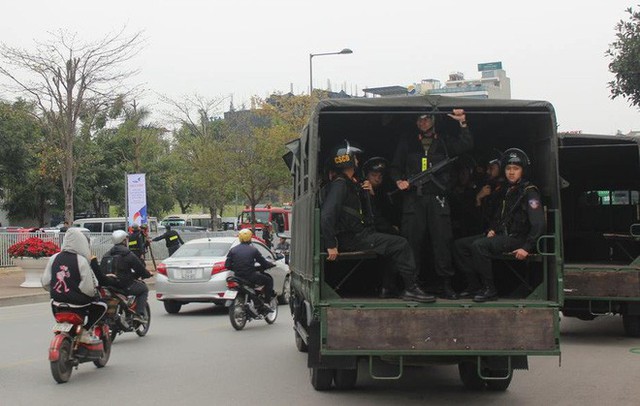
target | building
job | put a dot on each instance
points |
(493, 84)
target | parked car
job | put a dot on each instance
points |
(196, 273)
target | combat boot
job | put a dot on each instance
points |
(414, 293)
(487, 294)
(447, 290)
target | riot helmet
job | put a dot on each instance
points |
(375, 164)
(344, 155)
(515, 156)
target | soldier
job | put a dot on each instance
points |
(343, 227)
(515, 228)
(426, 209)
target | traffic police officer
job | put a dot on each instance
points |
(515, 227)
(171, 239)
(342, 224)
(427, 208)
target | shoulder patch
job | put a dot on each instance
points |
(534, 203)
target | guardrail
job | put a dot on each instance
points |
(100, 243)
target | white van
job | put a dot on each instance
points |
(110, 224)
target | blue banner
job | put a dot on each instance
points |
(136, 199)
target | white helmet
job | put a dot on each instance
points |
(119, 236)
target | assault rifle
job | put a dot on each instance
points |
(422, 178)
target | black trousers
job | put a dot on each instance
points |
(393, 247)
(141, 291)
(173, 249)
(473, 256)
(429, 214)
(261, 279)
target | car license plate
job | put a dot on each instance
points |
(65, 327)
(189, 273)
(230, 294)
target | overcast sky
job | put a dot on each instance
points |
(551, 50)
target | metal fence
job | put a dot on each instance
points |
(100, 243)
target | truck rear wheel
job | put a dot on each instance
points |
(631, 323)
(469, 376)
(345, 379)
(321, 378)
(300, 344)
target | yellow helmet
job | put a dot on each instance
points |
(245, 235)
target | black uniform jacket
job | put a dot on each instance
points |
(409, 154)
(341, 213)
(171, 238)
(130, 267)
(241, 260)
(520, 214)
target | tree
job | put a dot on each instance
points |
(625, 64)
(70, 82)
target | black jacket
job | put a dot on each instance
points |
(341, 213)
(129, 266)
(520, 214)
(171, 238)
(241, 260)
(409, 154)
(137, 241)
(65, 283)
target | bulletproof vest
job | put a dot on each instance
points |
(425, 153)
(514, 212)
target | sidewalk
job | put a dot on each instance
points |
(12, 294)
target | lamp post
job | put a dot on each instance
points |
(344, 51)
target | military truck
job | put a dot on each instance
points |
(339, 319)
(601, 225)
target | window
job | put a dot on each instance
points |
(93, 227)
(110, 227)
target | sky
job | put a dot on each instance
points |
(551, 50)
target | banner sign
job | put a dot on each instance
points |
(136, 199)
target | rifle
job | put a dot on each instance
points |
(422, 178)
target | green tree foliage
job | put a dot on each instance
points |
(625, 59)
(28, 166)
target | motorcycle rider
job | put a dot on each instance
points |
(71, 278)
(171, 238)
(241, 260)
(129, 268)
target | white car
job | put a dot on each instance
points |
(196, 273)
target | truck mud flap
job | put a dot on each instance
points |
(452, 330)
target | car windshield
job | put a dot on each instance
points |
(203, 249)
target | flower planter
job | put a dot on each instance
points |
(33, 269)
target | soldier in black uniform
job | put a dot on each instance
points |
(382, 213)
(515, 227)
(427, 208)
(342, 225)
(171, 238)
(137, 241)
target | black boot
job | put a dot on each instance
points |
(447, 290)
(487, 294)
(474, 287)
(414, 293)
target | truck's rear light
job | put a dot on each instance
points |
(218, 267)
(162, 269)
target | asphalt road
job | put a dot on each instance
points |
(196, 357)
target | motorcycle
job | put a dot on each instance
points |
(121, 313)
(68, 348)
(245, 302)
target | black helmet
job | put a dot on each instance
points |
(344, 155)
(515, 156)
(167, 227)
(375, 164)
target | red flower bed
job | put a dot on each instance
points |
(33, 247)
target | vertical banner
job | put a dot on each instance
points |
(136, 199)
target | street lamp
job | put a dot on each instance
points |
(344, 51)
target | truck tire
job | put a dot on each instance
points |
(345, 379)
(469, 376)
(321, 379)
(499, 385)
(631, 323)
(300, 344)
